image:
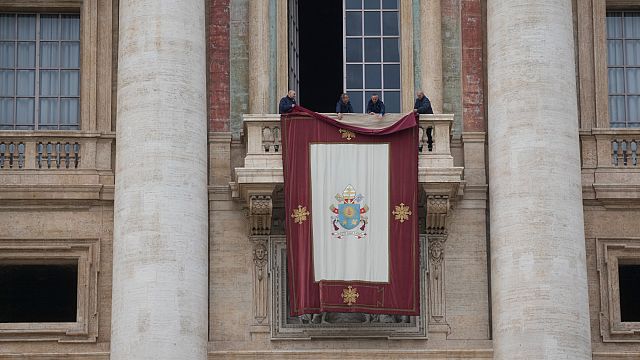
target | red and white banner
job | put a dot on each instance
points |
(351, 198)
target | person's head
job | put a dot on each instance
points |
(291, 94)
(374, 98)
(345, 98)
(420, 95)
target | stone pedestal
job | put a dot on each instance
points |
(538, 271)
(160, 232)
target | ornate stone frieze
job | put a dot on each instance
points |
(260, 210)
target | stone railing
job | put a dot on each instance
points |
(263, 161)
(611, 172)
(56, 164)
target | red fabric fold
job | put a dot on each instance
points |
(401, 295)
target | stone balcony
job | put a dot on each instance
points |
(56, 165)
(610, 166)
(262, 170)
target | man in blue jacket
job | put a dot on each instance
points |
(375, 106)
(343, 106)
(422, 104)
(288, 102)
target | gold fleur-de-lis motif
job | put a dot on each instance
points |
(300, 214)
(402, 212)
(350, 295)
(347, 134)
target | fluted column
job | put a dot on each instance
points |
(538, 271)
(431, 58)
(159, 307)
(259, 99)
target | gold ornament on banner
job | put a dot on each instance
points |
(350, 295)
(402, 212)
(346, 134)
(300, 214)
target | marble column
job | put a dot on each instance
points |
(160, 256)
(259, 96)
(431, 57)
(538, 271)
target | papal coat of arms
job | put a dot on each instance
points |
(349, 216)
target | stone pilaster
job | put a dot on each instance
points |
(431, 60)
(539, 280)
(160, 265)
(259, 95)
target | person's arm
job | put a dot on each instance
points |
(369, 107)
(382, 109)
(350, 108)
(338, 107)
(283, 106)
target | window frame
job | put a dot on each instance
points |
(37, 68)
(364, 90)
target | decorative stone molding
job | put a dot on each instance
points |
(610, 254)
(87, 254)
(437, 211)
(260, 210)
(338, 325)
(260, 283)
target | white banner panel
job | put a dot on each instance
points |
(350, 211)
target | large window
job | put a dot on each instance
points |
(623, 42)
(39, 71)
(372, 52)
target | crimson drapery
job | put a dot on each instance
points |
(401, 295)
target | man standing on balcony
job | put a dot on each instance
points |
(288, 102)
(343, 106)
(375, 106)
(422, 104)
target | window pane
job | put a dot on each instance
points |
(24, 112)
(354, 23)
(26, 83)
(356, 101)
(633, 80)
(26, 27)
(390, 23)
(389, 4)
(614, 48)
(632, 51)
(69, 83)
(373, 77)
(372, 23)
(6, 112)
(632, 25)
(354, 50)
(49, 27)
(70, 55)
(49, 83)
(391, 49)
(69, 111)
(49, 54)
(616, 81)
(391, 76)
(372, 50)
(48, 111)
(70, 27)
(7, 26)
(614, 25)
(392, 101)
(353, 4)
(7, 86)
(26, 55)
(633, 108)
(7, 54)
(354, 76)
(372, 4)
(616, 110)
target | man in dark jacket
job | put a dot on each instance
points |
(288, 102)
(375, 106)
(343, 106)
(422, 104)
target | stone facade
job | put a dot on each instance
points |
(486, 290)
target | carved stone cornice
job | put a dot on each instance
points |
(437, 210)
(260, 211)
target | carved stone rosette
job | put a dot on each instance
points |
(260, 211)
(260, 282)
